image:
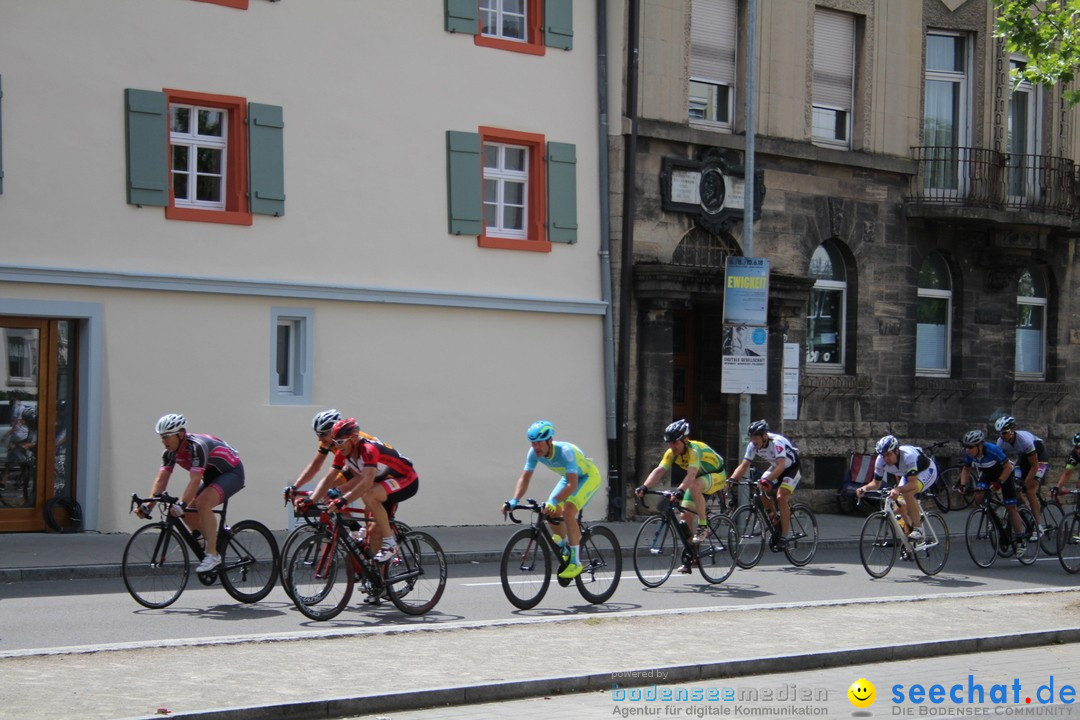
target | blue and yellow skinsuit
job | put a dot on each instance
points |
(567, 458)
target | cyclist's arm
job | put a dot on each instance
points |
(160, 482)
(192, 487)
(359, 484)
(1065, 475)
(655, 476)
(741, 470)
(522, 485)
(1007, 470)
(775, 471)
(691, 474)
(311, 470)
(964, 475)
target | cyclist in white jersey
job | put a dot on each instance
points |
(783, 475)
(916, 471)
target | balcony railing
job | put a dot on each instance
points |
(981, 178)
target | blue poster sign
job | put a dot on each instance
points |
(746, 291)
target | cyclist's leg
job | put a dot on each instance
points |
(789, 480)
(212, 494)
(377, 500)
(1008, 493)
(911, 509)
(697, 502)
(1032, 486)
(588, 484)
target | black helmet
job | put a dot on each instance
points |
(676, 431)
(758, 427)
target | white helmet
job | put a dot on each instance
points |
(171, 423)
(323, 422)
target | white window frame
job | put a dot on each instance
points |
(947, 296)
(497, 9)
(713, 57)
(962, 119)
(502, 178)
(834, 78)
(194, 141)
(1029, 189)
(296, 390)
(1043, 305)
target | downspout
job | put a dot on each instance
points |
(615, 494)
(628, 217)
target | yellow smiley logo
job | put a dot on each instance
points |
(862, 693)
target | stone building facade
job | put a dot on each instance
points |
(922, 255)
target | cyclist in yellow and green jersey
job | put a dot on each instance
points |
(705, 473)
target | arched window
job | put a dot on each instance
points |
(1031, 324)
(933, 317)
(825, 325)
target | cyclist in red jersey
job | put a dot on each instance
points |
(216, 475)
(375, 472)
(322, 424)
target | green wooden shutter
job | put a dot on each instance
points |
(559, 24)
(562, 192)
(1, 138)
(462, 16)
(266, 160)
(147, 147)
(464, 182)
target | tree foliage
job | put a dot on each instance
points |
(1047, 33)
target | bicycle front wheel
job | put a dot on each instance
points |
(751, 530)
(878, 545)
(718, 550)
(525, 568)
(1053, 518)
(1069, 544)
(320, 577)
(801, 549)
(416, 576)
(932, 553)
(1027, 550)
(155, 566)
(981, 538)
(249, 562)
(602, 557)
(655, 551)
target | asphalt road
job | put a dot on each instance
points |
(76, 613)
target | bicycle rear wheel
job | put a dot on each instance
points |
(525, 568)
(320, 577)
(1053, 518)
(981, 538)
(249, 562)
(1027, 550)
(949, 478)
(655, 551)
(878, 545)
(751, 530)
(601, 555)
(416, 576)
(800, 551)
(933, 552)
(292, 541)
(1069, 544)
(155, 565)
(718, 549)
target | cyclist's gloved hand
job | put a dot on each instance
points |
(639, 490)
(1054, 491)
(177, 509)
(304, 504)
(338, 503)
(551, 508)
(511, 504)
(333, 494)
(289, 490)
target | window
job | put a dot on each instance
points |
(1022, 140)
(826, 321)
(713, 28)
(933, 313)
(525, 26)
(1031, 325)
(834, 77)
(22, 353)
(513, 190)
(224, 160)
(945, 112)
(291, 363)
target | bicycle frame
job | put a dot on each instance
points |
(164, 504)
(891, 507)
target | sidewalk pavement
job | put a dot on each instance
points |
(341, 672)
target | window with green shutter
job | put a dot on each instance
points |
(525, 26)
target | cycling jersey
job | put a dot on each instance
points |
(392, 469)
(911, 462)
(567, 458)
(707, 462)
(203, 455)
(777, 447)
(1024, 443)
(990, 463)
(1073, 460)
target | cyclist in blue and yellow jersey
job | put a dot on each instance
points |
(705, 473)
(1032, 459)
(993, 467)
(579, 482)
(783, 475)
(916, 470)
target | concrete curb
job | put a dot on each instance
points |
(537, 687)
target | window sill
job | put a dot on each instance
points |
(485, 241)
(511, 45)
(211, 216)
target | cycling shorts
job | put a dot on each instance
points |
(225, 485)
(1008, 490)
(788, 479)
(714, 483)
(924, 479)
(587, 487)
(1024, 467)
(396, 494)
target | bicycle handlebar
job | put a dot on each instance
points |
(531, 505)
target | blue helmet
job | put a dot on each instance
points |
(540, 430)
(887, 444)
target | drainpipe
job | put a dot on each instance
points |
(629, 209)
(615, 494)
(748, 163)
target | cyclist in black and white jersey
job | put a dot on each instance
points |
(783, 474)
(916, 472)
(1032, 459)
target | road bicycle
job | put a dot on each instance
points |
(1051, 512)
(525, 568)
(988, 532)
(157, 564)
(1069, 536)
(664, 539)
(883, 538)
(756, 527)
(323, 568)
(356, 519)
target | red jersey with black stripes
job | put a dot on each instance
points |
(203, 455)
(389, 464)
